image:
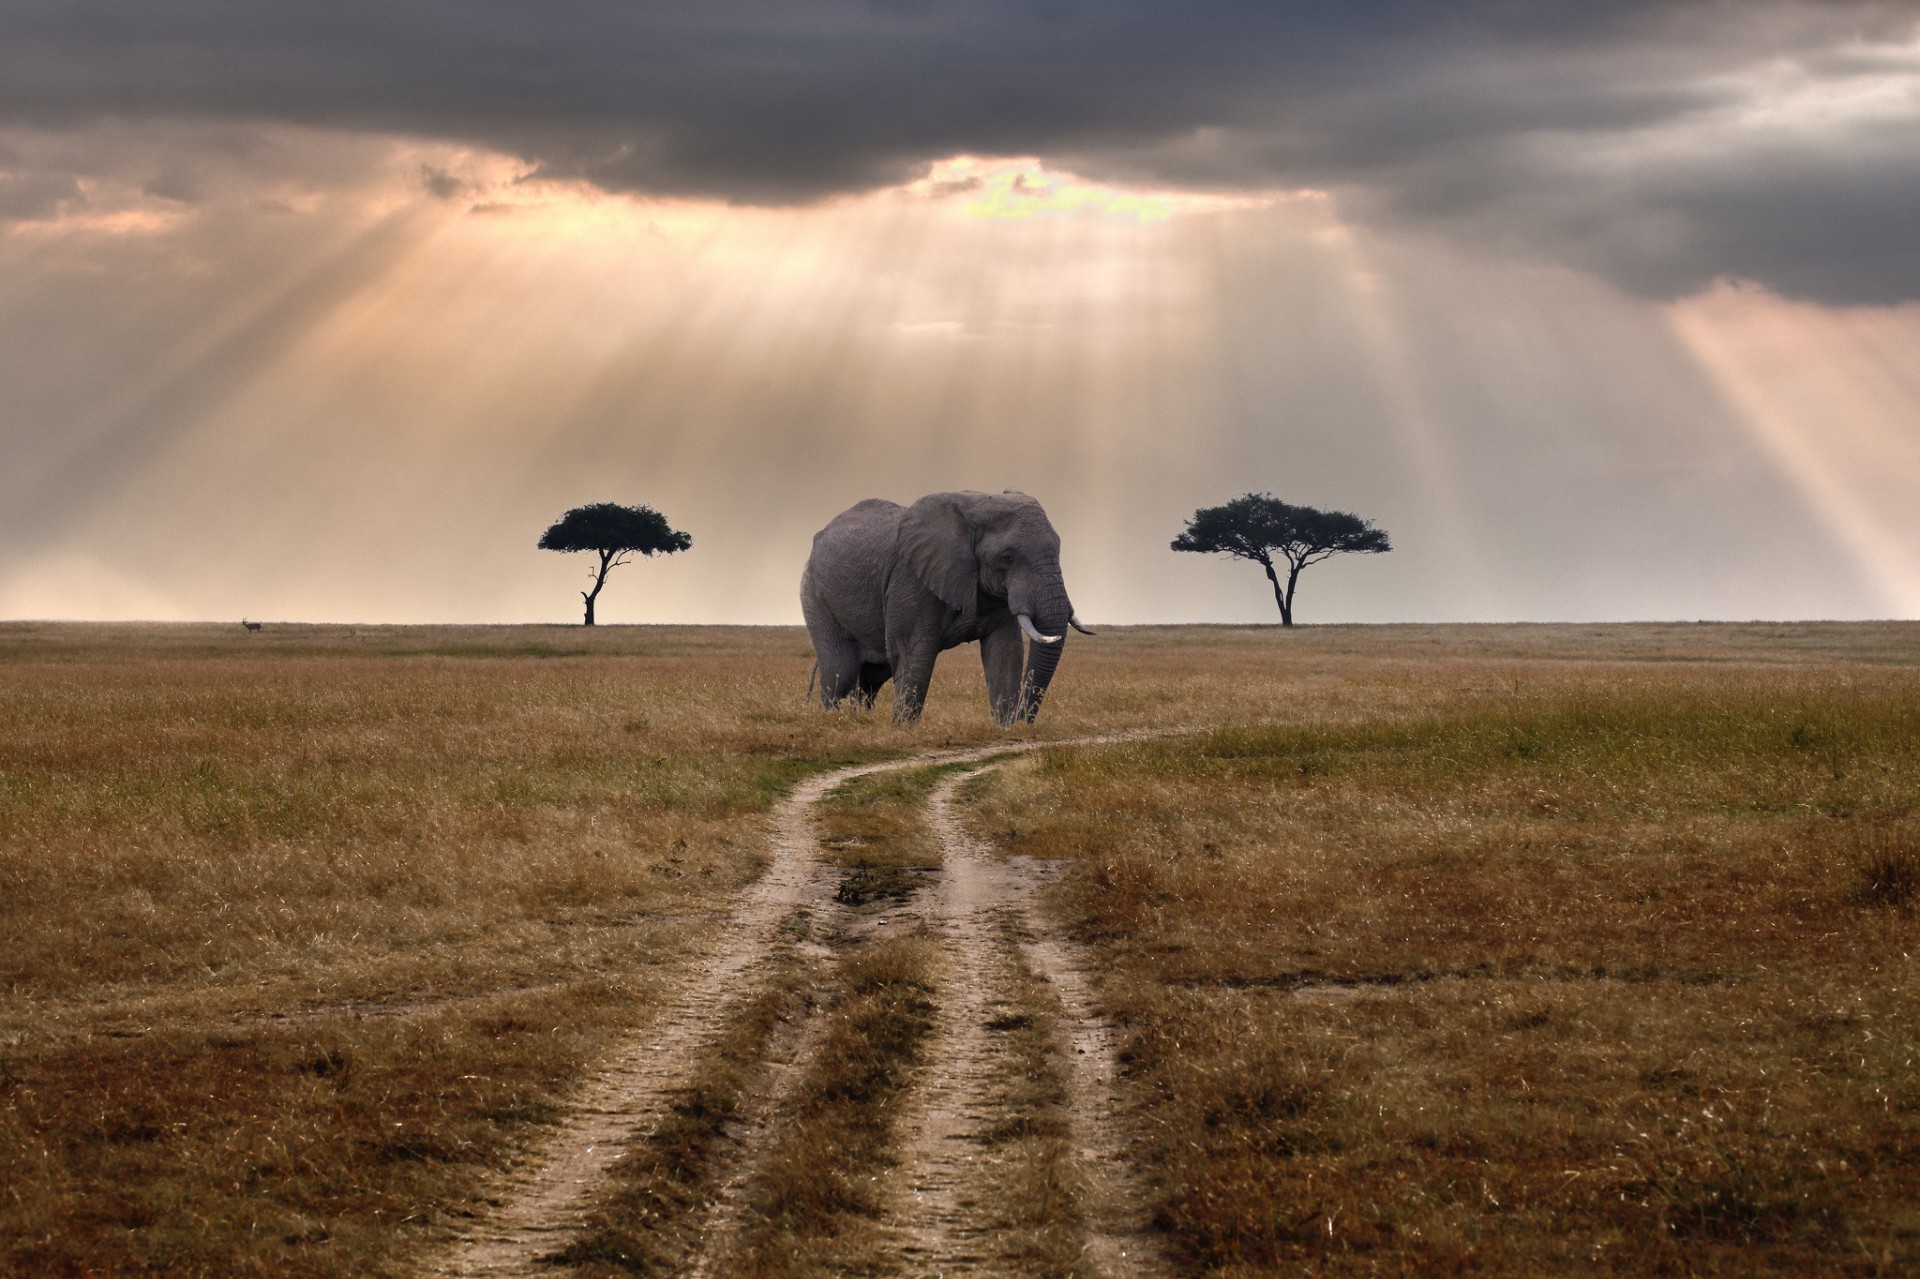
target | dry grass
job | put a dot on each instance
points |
(648, 1223)
(1031, 1191)
(817, 1209)
(876, 830)
(445, 864)
(873, 828)
(305, 931)
(1540, 968)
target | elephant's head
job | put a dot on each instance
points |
(981, 552)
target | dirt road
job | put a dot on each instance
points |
(983, 908)
(951, 1200)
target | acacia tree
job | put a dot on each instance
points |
(1258, 526)
(615, 533)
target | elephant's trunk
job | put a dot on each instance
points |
(1050, 613)
(1042, 660)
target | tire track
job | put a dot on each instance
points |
(727, 1222)
(941, 1224)
(720, 1223)
(980, 904)
(1116, 1218)
(540, 1205)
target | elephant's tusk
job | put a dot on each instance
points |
(1033, 632)
(1078, 625)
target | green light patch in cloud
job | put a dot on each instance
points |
(1028, 194)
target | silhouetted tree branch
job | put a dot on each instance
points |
(1257, 526)
(614, 533)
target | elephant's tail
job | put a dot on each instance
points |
(811, 676)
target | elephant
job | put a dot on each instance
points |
(889, 587)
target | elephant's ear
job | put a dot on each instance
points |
(937, 543)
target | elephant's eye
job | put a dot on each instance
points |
(1007, 558)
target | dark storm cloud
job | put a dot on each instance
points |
(1548, 127)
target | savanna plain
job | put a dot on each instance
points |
(1425, 949)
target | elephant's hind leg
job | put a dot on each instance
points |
(872, 676)
(840, 669)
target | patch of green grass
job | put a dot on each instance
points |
(1032, 1190)
(1623, 751)
(901, 788)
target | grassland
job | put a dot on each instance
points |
(1509, 949)
(305, 930)
(1532, 967)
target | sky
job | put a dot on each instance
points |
(324, 312)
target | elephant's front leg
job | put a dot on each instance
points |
(912, 676)
(1001, 653)
(910, 690)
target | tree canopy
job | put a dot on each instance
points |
(614, 533)
(1259, 526)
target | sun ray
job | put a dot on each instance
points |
(1832, 399)
(1376, 321)
(1127, 355)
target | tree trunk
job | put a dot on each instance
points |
(1282, 597)
(599, 580)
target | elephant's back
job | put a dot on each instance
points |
(844, 584)
(868, 510)
(864, 532)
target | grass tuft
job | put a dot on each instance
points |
(1889, 868)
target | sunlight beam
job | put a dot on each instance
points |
(1828, 398)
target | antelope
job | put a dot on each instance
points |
(251, 626)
